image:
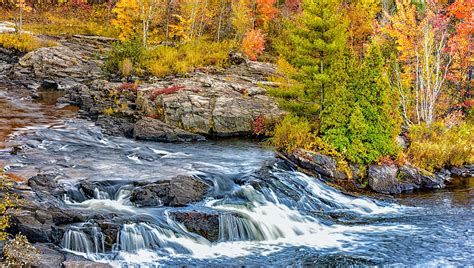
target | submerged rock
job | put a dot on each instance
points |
(179, 191)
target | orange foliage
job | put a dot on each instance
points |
(253, 44)
(266, 10)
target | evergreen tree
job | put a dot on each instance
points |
(312, 43)
(362, 121)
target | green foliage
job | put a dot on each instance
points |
(18, 252)
(131, 50)
(23, 42)
(437, 146)
(359, 118)
(312, 43)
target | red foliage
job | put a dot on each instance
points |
(128, 87)
(167, 90)
(259, 125)
(253, 44)
(77, 6)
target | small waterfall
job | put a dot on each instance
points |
(98, 194)
(86, 238)
(137, 236)
(233, 228)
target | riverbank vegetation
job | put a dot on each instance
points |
(354, 76)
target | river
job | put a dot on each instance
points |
(270, 214)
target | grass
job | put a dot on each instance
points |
(161, 61)
(438, 146)
(23, 42)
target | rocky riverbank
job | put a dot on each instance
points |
(383, 179)
(207, 102)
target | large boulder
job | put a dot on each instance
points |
(203, 224)
(226, 103)
(178, 191)
(156, 130)
(383, 179)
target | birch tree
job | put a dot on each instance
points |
(424, 59)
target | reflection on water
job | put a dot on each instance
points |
(17, 111)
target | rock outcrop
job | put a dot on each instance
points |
(156, 130)
(176, 192)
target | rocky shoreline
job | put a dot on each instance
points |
(203, 104)
(383, 179)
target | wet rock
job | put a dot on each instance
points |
(49, 85)
(156, 130)
(466, 171)
(324, 165)
(85, 264)
(46, 183)
(110, 231)
(50, 256)
(116, 126)
(383, 179)
(201, 223)
(176, 192)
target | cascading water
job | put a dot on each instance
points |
(233, 228)
(84, 238)
(267, 214)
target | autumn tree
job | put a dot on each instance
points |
(22, 7)
(424, 58)
(132, 13)
(461, 43)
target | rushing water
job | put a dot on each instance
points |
(269, 214)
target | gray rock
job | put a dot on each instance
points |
(324, 165)
(466, 171)
(203, 224)
(116, 126)
(179, 191)
(50, 256)
(156, 130)
(383, 179)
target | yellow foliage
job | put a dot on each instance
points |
(437, 146)
(8, 201)
(163, 60)
(23, 42)
(126, 18)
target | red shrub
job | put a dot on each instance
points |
(128, 87)
(167, 90)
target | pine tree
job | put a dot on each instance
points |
(313, 43)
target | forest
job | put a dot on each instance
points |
(353, 75)
(359, 83)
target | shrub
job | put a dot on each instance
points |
(23, 42)
(19, 252)
(437, 146)
(126, 67)
(127, 87)
(131, 51)
(167, 90)
(253, 44)
(8, 201)
(163, 60)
